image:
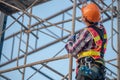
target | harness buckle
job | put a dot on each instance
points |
(88, 61)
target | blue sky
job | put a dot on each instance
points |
(44, 11)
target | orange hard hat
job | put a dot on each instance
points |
(91, 12)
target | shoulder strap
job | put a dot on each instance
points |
(101, 33)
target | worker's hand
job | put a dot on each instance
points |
(72, 38)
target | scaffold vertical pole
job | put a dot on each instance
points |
(3, 22)
(72, 33)
(118, 21)
(27, 44)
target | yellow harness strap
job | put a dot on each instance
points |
(88, 53)
(92, 53)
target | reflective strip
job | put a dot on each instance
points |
(105, 45)
(105, 36)
(88, 53)
(97, 38)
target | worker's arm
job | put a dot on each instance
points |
(82, 42)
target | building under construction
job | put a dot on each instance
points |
(33, 34)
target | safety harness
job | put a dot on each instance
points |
(93, 56)
(100, 38)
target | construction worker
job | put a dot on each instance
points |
(89, 45)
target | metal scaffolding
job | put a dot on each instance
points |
(30, 39)
(2, 27)
(118, 39)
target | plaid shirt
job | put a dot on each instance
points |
(83, 41)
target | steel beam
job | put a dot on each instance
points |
(118, 38)
(45, 46)
(42, 73)
(8, 37)
(3, 23)
(6, 78)
(72, 33)
(102, 9)
(33, 51)
(55, 71)
(35, 63)
(54, 15)
(49, 44)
